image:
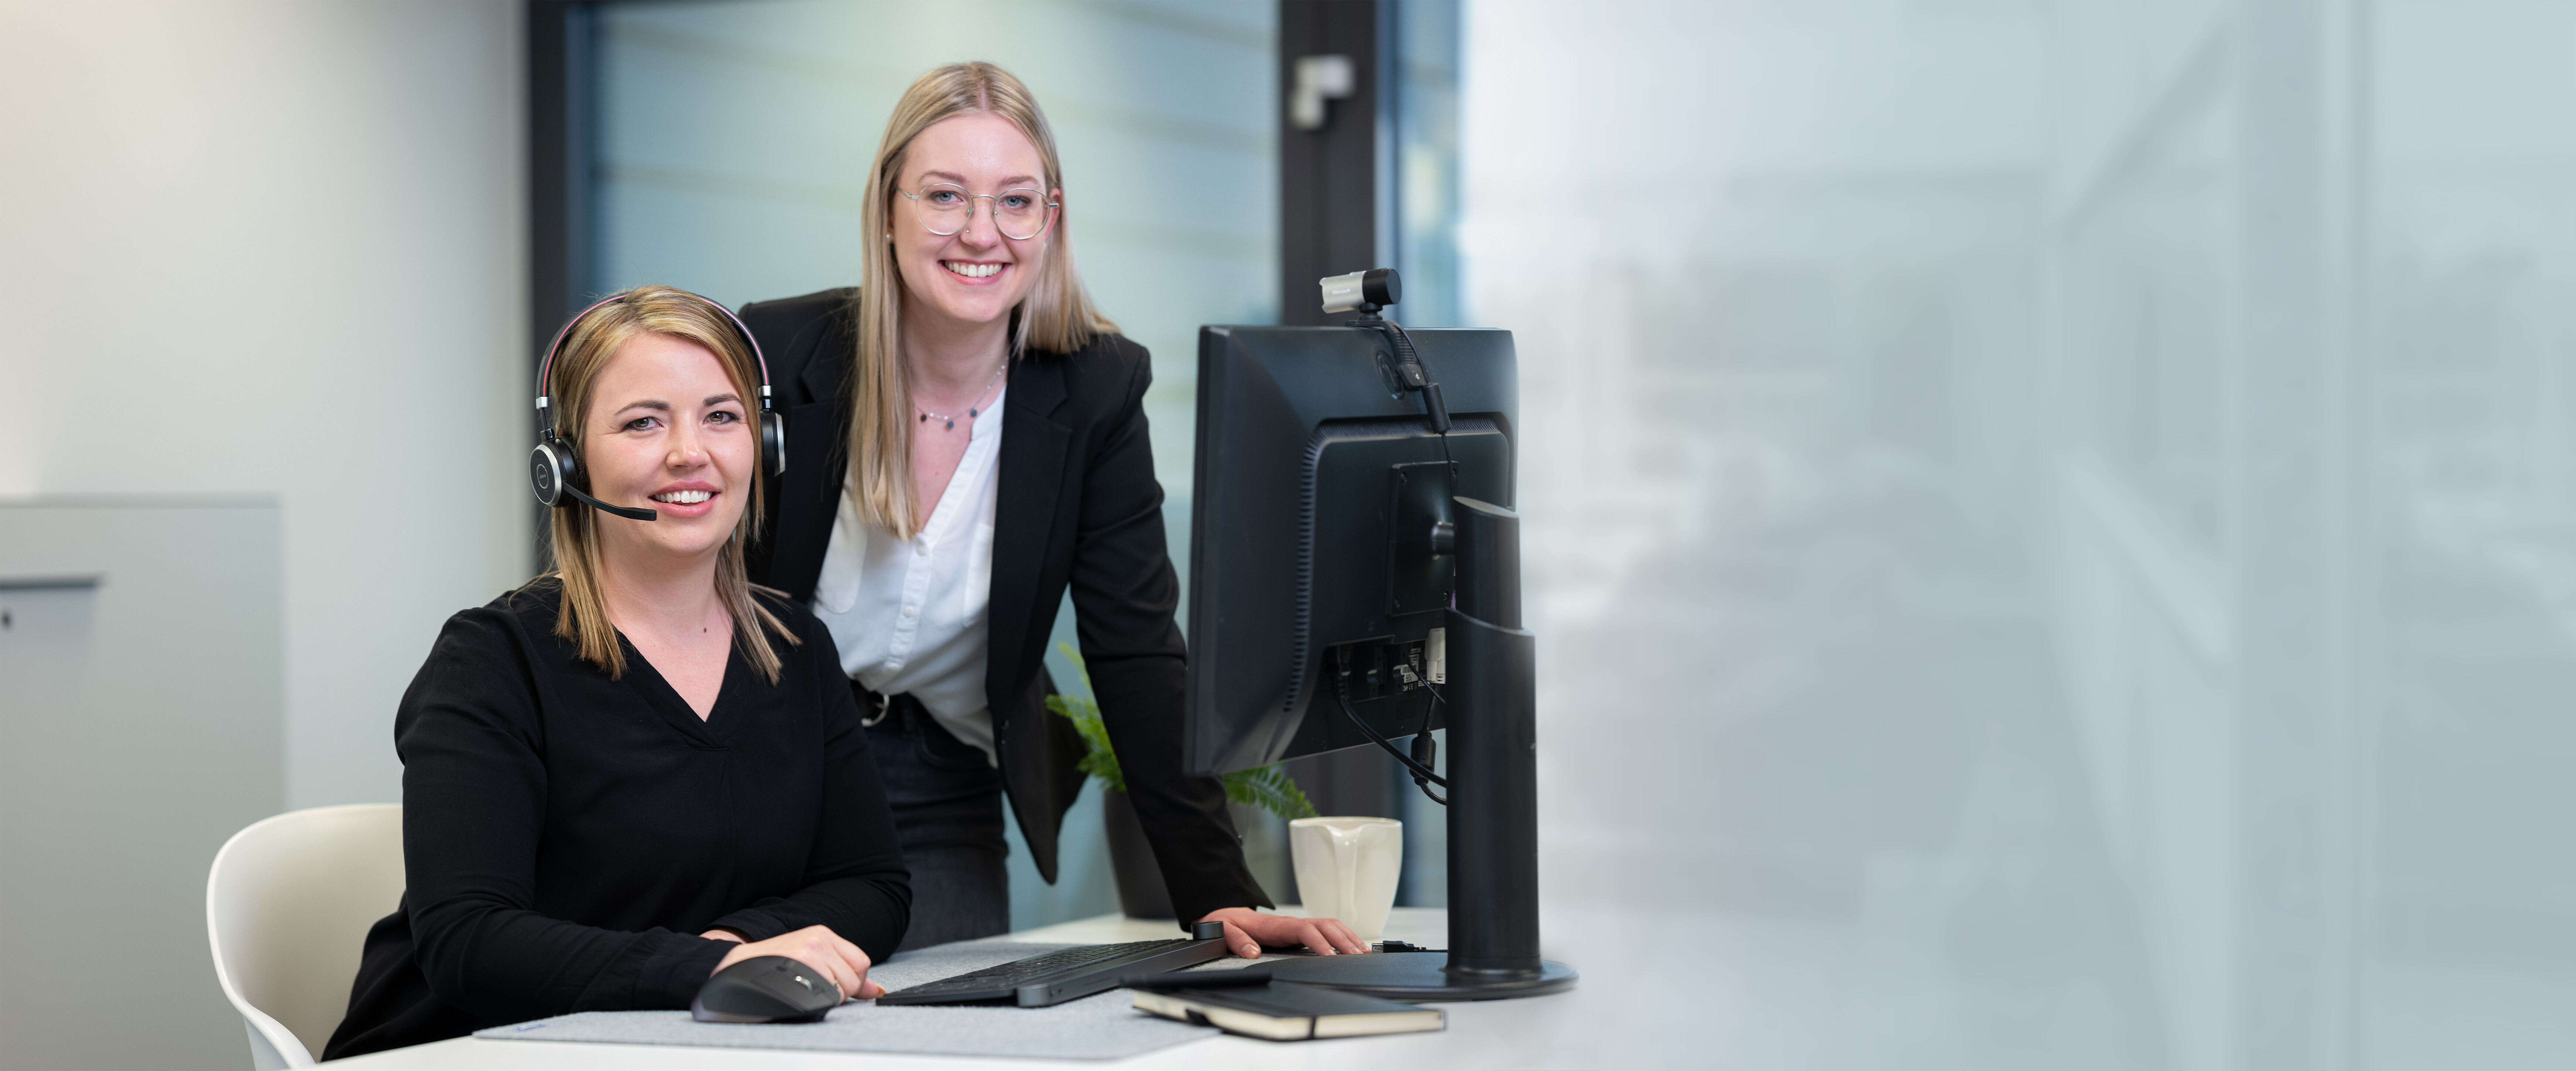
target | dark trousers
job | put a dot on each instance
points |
(947, 802)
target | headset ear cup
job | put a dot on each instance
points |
(551, 468)
(773, 440)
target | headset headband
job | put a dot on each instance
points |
(545, 368)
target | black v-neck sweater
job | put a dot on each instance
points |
(566, 836)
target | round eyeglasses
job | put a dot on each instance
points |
(1020, 214)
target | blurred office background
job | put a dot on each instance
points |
(2053, 522)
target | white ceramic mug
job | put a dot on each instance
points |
(1346, 869)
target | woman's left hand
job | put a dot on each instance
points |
(1246, 930)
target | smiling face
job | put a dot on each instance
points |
(666, 429)
(978, 274)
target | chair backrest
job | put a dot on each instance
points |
(287, 906)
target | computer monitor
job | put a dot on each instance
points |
(1354, 579)
(1318, 480)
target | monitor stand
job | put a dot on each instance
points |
(1493, 793)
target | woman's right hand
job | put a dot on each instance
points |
(817, 947)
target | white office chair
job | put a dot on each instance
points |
(287, 906)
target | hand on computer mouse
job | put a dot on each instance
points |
(1246, 930)
(819, 947)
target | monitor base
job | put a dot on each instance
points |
(1416, 976)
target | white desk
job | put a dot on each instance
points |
(1531, 1032)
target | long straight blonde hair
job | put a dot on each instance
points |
(1057, 316)
(654, 310)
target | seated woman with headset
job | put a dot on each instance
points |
(637, 769)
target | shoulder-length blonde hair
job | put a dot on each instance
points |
(1057, 316)
(587, 347)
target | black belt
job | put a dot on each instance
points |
(873, 707)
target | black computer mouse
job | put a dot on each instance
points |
(765, 989)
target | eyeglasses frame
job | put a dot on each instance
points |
(994, 213)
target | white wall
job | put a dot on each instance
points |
(278, 247)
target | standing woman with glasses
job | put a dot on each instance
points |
(970, 437)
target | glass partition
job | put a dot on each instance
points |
(732, 139)
(2050, 523)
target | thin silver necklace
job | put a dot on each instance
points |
(950, 422)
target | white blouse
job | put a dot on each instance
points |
(908, 615)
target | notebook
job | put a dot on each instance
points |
(1287, 1011)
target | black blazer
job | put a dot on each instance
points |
(1076, 505)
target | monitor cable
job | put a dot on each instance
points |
(1410, 376)
(1426, 749)
(1410, 373)
(1409, 370)
(1426, 752)
(1419, 764)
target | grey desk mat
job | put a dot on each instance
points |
(1106, 1026)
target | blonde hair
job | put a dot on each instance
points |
(587, 348)
(1057, 316)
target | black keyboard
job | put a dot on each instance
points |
(1057, 977)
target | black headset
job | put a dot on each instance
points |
(554, 467)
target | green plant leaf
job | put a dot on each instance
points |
(1101, 761)
(1271, 789)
